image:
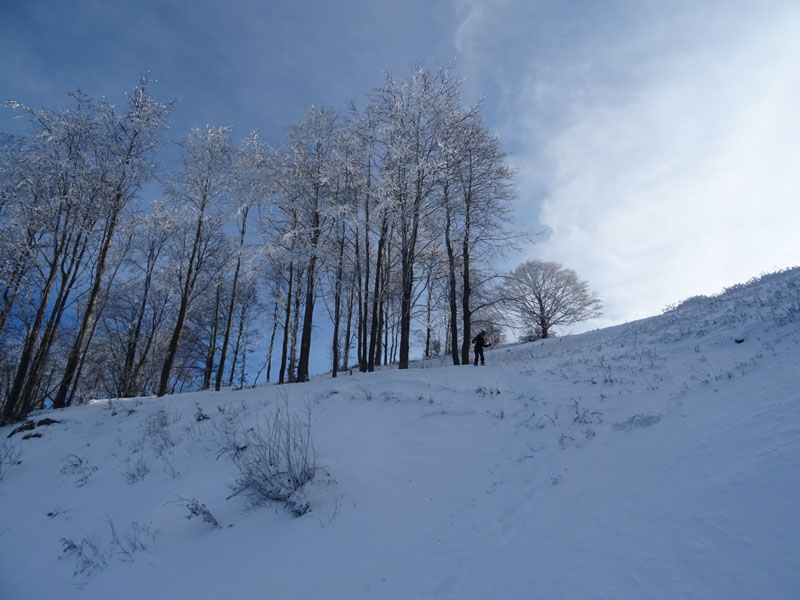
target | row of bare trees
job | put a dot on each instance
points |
(384, 218)
(65, 189)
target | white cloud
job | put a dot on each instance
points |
(691, 187)
(668, 153)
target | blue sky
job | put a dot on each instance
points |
(656, 142)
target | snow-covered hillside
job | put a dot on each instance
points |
(656, 459)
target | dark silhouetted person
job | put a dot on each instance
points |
(480, 343)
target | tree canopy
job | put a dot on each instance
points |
(544, 295)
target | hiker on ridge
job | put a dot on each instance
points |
(480, 343)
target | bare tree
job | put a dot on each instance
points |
(138, 305)
(53, 212)
(485, 186)
(391, 215)
(249, 306)
(313, 155)
(546, 294)
(249, 190)
(269, 269)
(123, 163)
(279, 224)
(408, 111)
(206, 167)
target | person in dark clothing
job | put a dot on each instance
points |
(480, 343)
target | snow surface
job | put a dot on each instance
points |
(655, 459)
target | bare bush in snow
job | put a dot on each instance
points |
(584, 416)
(88, 557)
(275, 459)
(75, 465)
(136, 469)
(197, 510)
(156, 431)
(138, 538)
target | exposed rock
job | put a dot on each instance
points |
(26, 426)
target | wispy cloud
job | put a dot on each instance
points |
(664, 146)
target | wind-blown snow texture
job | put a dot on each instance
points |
(656, 459)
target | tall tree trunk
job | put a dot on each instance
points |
(365, 342)
(88, 314)
(390, 331)
(172, 349)
(90, 336)
(405, 313)
(272, 338)
(298, 303)
(451, 280)
(127, 380)
(361, 326)
(428, 319)
(348, 329)
(466, 311)
(374, 340)
(237, 346)
(286, 326)
(308, 316)
(69, 268)
(337, 303)
(156, 321)
(447, 340)
(212, 343)
(407, 259)
(224, 351)
(12, 408)
(380, 347)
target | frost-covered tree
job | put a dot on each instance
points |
(369, 226)
(475, 187)
(122, 153)
(198, 191)
(447, 182)
(269, 268)
(130, 341)
(544, 295)
(391, 215)
(484, 187)
(248, 189)
(140, 303)
(407, 118)
(313, 155)
(71, 176)
(50, 218)
(281, 256)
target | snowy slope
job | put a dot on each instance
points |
(656, 459)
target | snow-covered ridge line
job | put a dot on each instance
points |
(772, 298)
